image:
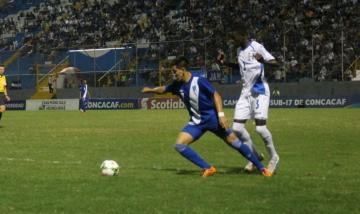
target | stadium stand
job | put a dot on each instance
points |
(316, 40)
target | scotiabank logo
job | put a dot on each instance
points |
(162, 103)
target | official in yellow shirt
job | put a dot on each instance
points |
(3, 92)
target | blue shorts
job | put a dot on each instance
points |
(196, 131)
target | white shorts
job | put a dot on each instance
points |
(252, 107)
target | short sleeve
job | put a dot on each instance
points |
(206, 87)
(173, 87)
(264, 53)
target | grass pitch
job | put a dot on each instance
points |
(49, 163)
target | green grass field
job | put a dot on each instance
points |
(49, 163)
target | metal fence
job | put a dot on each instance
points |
(316, 55)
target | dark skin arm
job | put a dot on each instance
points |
(222, 61)
(259, 58)
(273, 64)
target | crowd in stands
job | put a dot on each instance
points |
(296, 32)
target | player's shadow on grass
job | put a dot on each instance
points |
(230, 170)
(221, 170)
(180, 171)
(234, 170)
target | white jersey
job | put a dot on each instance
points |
(251, 70)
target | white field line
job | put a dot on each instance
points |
(10, 159)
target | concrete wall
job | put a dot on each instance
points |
(319, 88)
(112, 92)
(21, 94)
(286, 89)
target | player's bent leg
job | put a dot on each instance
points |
(2, 110)
(183, 141)
(241, 132)
(245, 151)
(265, 134)
(184, 138)
(85, 105)
(81, 105)
(273, 164)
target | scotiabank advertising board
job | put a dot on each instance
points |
(275, 102)
(162, 103)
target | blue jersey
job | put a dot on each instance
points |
(198, 97)
(84, 91)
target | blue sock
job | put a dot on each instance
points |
(246, 152)
(83, 105)
(191, 155)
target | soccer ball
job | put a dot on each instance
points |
(109, 168)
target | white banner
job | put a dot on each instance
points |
(63, 104)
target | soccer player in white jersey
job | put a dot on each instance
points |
(206, 113)
(255, 95)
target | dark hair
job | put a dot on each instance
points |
(240, 30)
(2, 65)
(181, 62)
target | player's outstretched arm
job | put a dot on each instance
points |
(261, 59)
(156, 90)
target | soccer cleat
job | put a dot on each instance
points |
(273, 163)
(265, 172)
(250, 167)
(209, 172)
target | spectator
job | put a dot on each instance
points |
(322, 73)
(302, 27)
(278, 75)
(51, 81)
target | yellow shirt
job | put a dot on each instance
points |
(2, 83)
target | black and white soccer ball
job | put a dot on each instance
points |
(109, 168)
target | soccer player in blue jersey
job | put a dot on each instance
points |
(84, 96)
(205, 108)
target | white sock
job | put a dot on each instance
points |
(267, 137)
(244, 136)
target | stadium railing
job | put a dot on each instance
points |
(146, 63)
